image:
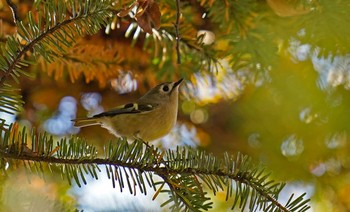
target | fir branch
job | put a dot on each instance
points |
(164, 172)
(47, 34)
(82, 60)
(10, 99)
(37, 35)
(183, 170)
(28, 47)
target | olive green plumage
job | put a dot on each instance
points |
(150, 117)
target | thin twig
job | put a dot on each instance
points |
(176, 25)
(13, 8)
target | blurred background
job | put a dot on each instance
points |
(269, 79)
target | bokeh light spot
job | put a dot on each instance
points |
(183, 135)
(206, 37)
(254, 140)
(333, 71)
(336, 140)
(61, 124)
(188, 106)
(292, 146)
(319, 170)
(211, 88)
(306, 115)
(199, 116)
(333, 166)
(124, 83)
(91, 102)
(300, 52)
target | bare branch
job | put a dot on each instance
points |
(176, 25)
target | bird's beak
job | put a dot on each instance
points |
(178, 83)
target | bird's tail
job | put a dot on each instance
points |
(85, 122)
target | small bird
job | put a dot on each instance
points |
(150, 117)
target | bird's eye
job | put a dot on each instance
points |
(165, 88)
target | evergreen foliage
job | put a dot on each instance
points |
(47, 34)
(187, 173)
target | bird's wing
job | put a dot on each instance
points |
(128, 109)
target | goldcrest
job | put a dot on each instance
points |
(150, 117)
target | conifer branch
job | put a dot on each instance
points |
(47, 34)
(30, 45)
(184, 170)
(159, 169)
(60, 25)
